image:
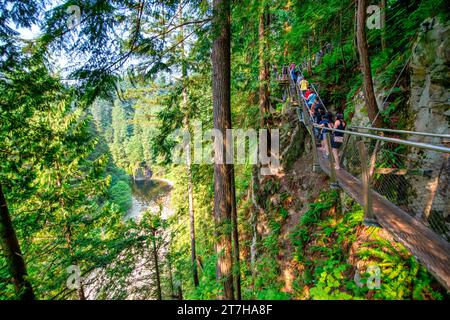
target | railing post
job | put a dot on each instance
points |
(316, 166)
(343, 151)
(369, 217)
(300, 114)
(301, 105)
(333, 182)
(305, 116)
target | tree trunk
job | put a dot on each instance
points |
(254, 221)
(180, 292)
(263, 37)
(264, 67)
(13, 254)
(383, 26)
(234, 222)
(68, 233)
(369, 95)
(156, 261)
(222, 121)
(68, 236)
(184, 108)
(341, 45)
(80, 293)
(309, 57)
(169, 267)
(191, 208)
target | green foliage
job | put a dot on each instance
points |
(209, 288)
(299, 237)
(272, 294)
(402, 275)
(57, 191)
(120, 194)
(323, 243)
(267, 284)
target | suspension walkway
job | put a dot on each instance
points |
(402, 184)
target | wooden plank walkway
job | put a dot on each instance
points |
(429, 248)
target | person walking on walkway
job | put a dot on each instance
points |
(304, 86)
(311, 98)
(307, 93)
(275, 72)
(293, 73)
(298, 77)
(284, 73)
(338, 138)
(326, 124)
(317, 110)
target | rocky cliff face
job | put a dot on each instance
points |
(430, 79)
(142, 173)
(430, 105)
(429, 82)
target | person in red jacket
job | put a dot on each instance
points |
(307, 93)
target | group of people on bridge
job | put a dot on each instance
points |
(317, 111)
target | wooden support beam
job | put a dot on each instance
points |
(344, 148)
(402, 172)
(369, 217)
(276, 99)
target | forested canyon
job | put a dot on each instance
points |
(168, 150)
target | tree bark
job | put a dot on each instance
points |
(341, 45)
(192, 219)
(13, 254)
(264, 102)
(234, 222)
(68, 236)
(156, 261)
(254, 222)
(180, 292)
(184, 107)
(222, 121)
(309, 57)
(383, 26)
(264, 73)
(369, 94)
(169, 267)
(68, 233)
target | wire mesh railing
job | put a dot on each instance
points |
(416, 180)
(413, 176)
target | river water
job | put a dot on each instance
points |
(153, 195)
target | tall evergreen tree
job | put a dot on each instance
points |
(223, 173)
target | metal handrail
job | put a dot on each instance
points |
(419, 145)
(426, 134)
(317, 93)
(304, 100)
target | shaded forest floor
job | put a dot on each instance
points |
(298, 182)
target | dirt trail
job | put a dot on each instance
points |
(304, 187)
